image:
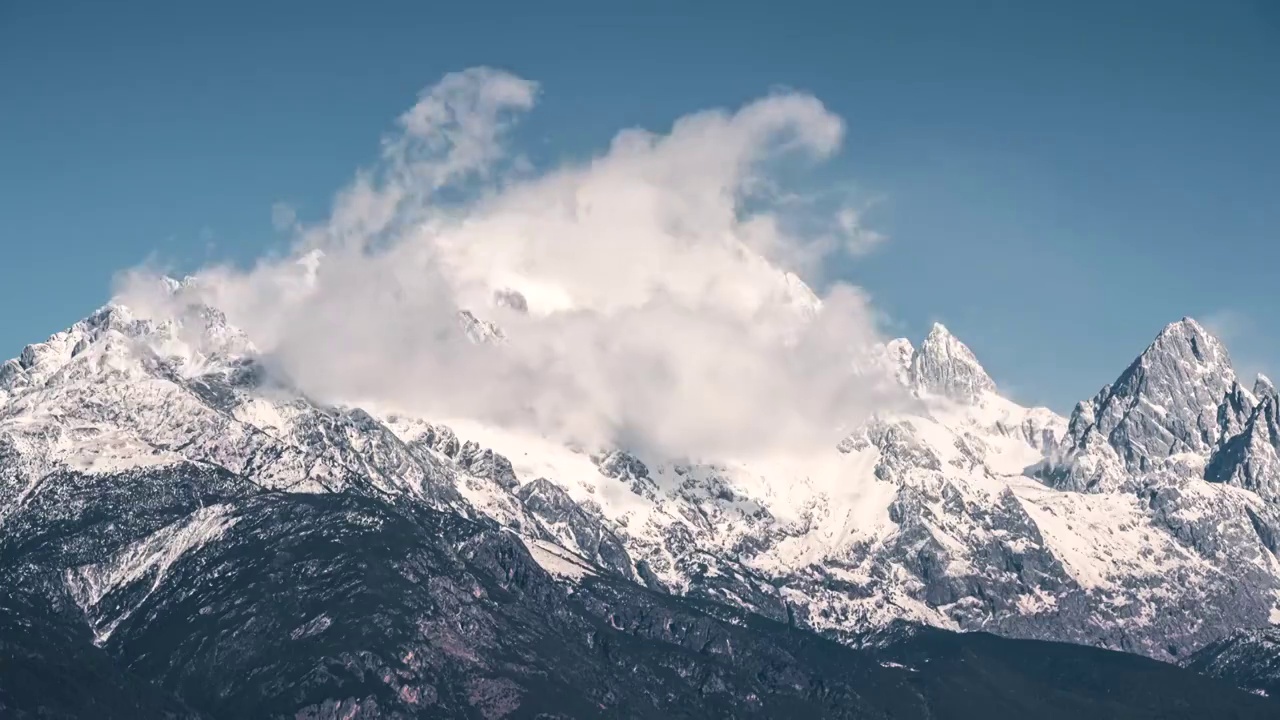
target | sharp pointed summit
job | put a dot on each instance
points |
(1187, 336)
(1168, 401)
(945, 366)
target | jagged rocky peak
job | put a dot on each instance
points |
(1179, 396)
(483, 462)
(943, 365)
(1185, 350)
(620, 464)
(1250, 459)
(479, 331)
(1234, 412)
(1263, 388)
(39, 362)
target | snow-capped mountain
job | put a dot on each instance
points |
(1145, 522)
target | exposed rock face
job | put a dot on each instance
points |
(1264, 388)
(1179, 396)
(479, 331)
(1251, 458)
(945, 366)
(624, 466)
(569, 523)
(483, 462)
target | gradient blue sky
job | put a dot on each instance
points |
(1058, 180)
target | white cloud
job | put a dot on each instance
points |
(1226, 324)
(658, 314)
(857, 238)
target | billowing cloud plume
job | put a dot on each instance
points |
(641, 294)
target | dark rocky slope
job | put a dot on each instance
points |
(1249, 659)
(352, 605)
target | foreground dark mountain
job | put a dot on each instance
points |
(208, 596)
(49, 667)
(1249, 659)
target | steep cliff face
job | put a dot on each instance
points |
(1250, 459)
(945, 366)
(1179, 398)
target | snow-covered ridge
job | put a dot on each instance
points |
(963, 510)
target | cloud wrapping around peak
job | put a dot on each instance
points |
(646, 295)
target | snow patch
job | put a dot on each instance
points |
(557, 560)
(153, 556)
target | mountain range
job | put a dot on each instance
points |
(184, 533)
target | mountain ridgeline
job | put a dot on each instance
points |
(182, 534)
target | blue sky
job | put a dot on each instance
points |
(1058, 180)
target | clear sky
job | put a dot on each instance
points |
(1058, 180)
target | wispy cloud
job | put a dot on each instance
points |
(1236, 330)
(657, 308)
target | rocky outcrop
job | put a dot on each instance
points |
(574, 527)
(1251, 458)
